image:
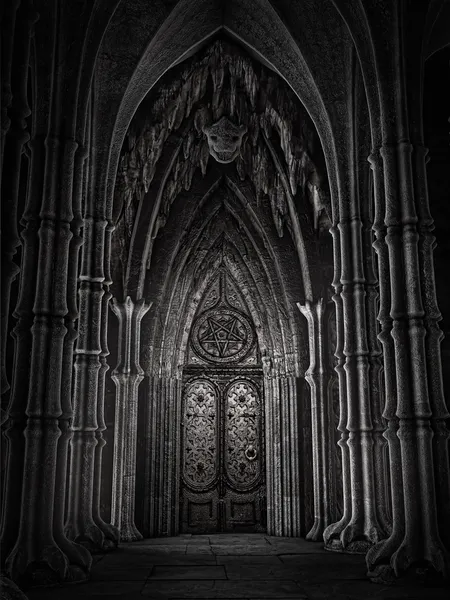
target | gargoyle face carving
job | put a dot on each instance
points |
(224, 139)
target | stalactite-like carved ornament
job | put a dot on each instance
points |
(222, 104)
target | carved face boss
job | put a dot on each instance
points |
(224, 139)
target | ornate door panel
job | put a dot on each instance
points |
(200, 456)
(223, 455)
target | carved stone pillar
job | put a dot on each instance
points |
(8, 23)
(342, 385)
(67, 362)
(80, 524)
(417, 409)
(380, 459)
(14, 137)
(163, 456)
(110, 532)
(127, 377)
(23, 343)
(359, 527)
(282, 449)
(41, 553)
(439, 412)
(321, 417)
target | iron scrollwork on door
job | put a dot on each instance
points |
(223, 455)
(243, 430)
(200, 434)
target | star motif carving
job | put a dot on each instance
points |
(222, 336)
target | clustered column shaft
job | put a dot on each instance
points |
(409, 334)
(127, 377)
(42, 553)
(359, 526)
(163, 455)
(282, 435)
(110, 532)
(81, 525)
(15, 134)
(321, 417)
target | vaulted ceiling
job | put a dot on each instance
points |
(221, 166)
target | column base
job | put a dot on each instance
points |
(111, 533)
(130, 533)
(351, 537)
(51, 570)
(427, 576)
(10, 591)
(92, 538)
(396, 559)
(315, 534)
(354, 547)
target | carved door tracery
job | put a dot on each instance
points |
(222, 474)
(223, 454)
(200, 441)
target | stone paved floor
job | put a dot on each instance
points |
(230, 566)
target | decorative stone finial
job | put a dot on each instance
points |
(224, 139)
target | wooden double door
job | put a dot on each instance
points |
(223, 470)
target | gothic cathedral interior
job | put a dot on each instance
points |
(225, 288)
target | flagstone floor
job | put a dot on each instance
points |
(230, 566)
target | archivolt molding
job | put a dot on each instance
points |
(259, 276)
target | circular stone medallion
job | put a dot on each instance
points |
(222, 335)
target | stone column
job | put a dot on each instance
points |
(439, 412)
(321, 417)
(80, 524)
(23, 312)
(110, 532)
(290, 449)
(127, 377)
(359, 527)
(282, 449)
(42, 554)
(342, 384)
(376, 375)
(14, 137)
(8, 23)
(417, 410)
(163, 455)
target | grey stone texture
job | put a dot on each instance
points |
(319, 201)
(264, 568)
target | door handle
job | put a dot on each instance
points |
(251, 453)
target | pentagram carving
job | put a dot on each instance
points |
(222, 335)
